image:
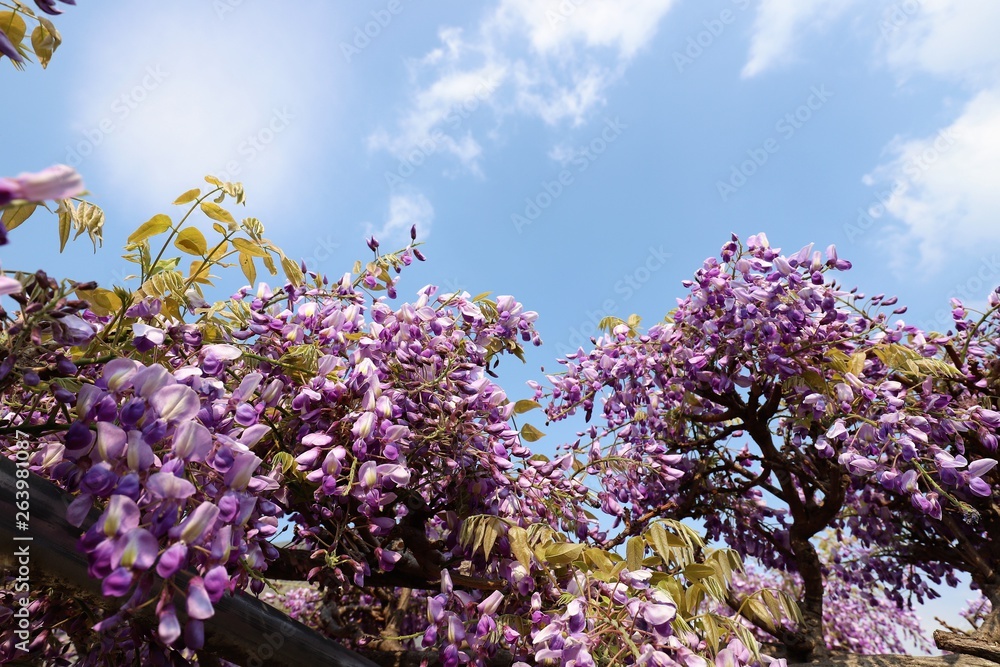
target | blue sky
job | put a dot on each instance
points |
(583, 155)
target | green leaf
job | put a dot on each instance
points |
(283, 459)
(530, 433)
(15, 215)
(191, 241)
(525, 405)
(188, 196)
(158, 224)
(165, 265)
(216, 212)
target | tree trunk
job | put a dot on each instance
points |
(985, 641)
(811, 645)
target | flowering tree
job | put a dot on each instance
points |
(772, 404)
(185, 432)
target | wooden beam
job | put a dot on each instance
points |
(243, 630)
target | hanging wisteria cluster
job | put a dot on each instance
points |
(771, 404)
(774, 404)
(187, 433)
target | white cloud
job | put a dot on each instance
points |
(556, 26)
(405, 210)
(550, 59)
(781, 23)
(954, 39)
(155, 113)
(945, 192)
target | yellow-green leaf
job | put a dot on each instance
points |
(199, 272)
(249, 270)
(45, 39)
(65, 221)
(158, 224)
(15, 215)
(563, 553)
(13, 26)
(634, 550)
(518, 538)
(188, 196)
(525, 405)
(249, 247)
(102, 302)
(530, 433)
(191, 241)
(216, 212)
(698, 571)
(269, 263)
(292, 271)
(857, 364)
